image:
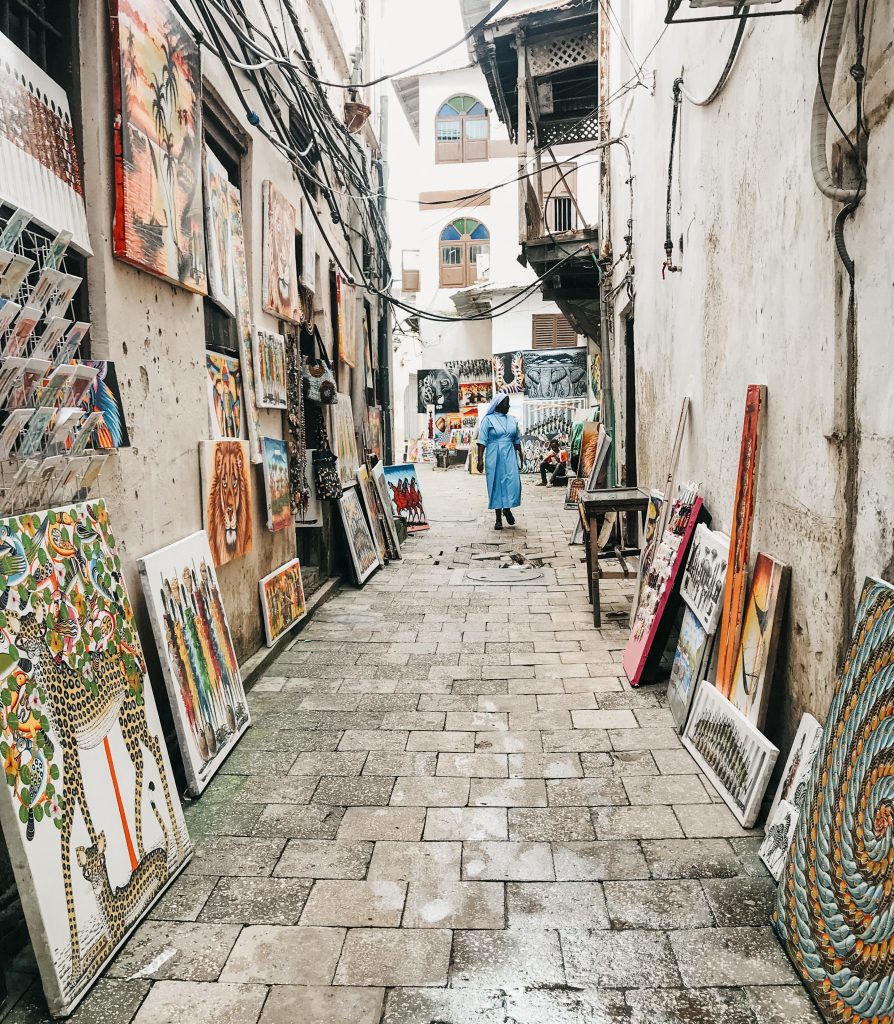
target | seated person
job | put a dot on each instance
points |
(554, 465)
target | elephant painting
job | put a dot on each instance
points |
(556, 374)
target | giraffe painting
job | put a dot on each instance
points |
(88, 805)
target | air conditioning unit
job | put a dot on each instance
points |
(698, 10)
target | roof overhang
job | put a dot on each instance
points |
(481, 298)
(407, 92)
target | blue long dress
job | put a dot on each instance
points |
(499, 434)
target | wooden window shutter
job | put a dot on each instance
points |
(552, 330)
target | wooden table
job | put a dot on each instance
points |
(609, 502)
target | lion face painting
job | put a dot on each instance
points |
(226, 490)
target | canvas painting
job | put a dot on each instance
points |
(197, 655)
(589, 444)
(370, 502)
(541, 423)
(280, 267)
(375, 431)
(740, 538)
(736, 758)
(599, 473)
(345, 440)
(573, 490)
(224, 394)
(276, 484)
(439, 388)
(88, 802)
(243, 317)
(789, 799)
(347, 322)
(270, 369)
(509, 372)
(104, 396)
(833, 902)
(649, 543)
(475, 394)
(157, 97)
(360, 543)
(406, 496)
(381, 485)
(282, 600)
(690, 666)
(704, 577)
(659, 596)
(756, 659)
(226, 498)
(553, 375)
(218, 228)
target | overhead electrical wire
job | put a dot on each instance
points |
(730, 62)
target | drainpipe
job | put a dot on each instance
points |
(385, 351)
(522, 88)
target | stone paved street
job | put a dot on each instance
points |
(451, 808)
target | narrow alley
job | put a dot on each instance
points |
(451, 807)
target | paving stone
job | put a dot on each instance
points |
(439, 904)
(389, 702)
(325, 763)
(627, 959)
(559, 824)
(710, 957)
(235, 856)
(396, 823)
(414, 720)
(576, 741)
(588, 861)
(644, 739)
(319, 858)
(511, 862)
(604, 720)
(297, 821)
(681, 1006)
(508, 742)
(543, 720)
(463, 742)
(391, 957)
(585, 792)
(657, 904)
(221, 819)
(566, 702)
(354, 791)
(465, 823)
(556, 905)
(428, 792)
(790, 1004)
(199, 951)
(421, 861)
(375, 904)
(476, 766)
(447, 702)
(374, 739)
(643, 822)
(109, 1001)
(477, 721)
(383, 762)
(444, 1006)
(675, 762)
(619, 764)
(184, 1002)
(666, 789)
(315, 1004)
(708, 820)
(741, 902)
(691, 858)
(274, 955)
(747, 851)
(545, 766)
(506, 958)
(330, 702)
(184, 899)
(257, 900)
(287, 789)
(496, 702)
(508, 793)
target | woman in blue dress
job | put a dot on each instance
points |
(500, 438)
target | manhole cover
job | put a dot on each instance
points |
(511, 574)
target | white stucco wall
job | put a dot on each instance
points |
(762, 299)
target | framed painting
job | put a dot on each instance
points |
(270, 369)
(756, 659)
(543, 422)
(740, 538)
(554, 375)
(282, 600)
(218, 227)
(347, 322)
(833, 903)
(224, 395)
(438, 388)
(197, 655)
(378, 478)
(370, 502)
(279, 269)
(509, 372)
(406, 496)
(704, 577)
(649, 543)
(589, 443)
(276, 484)
(308, 511)
(226, 498)
(157, 100)
(88, 803)
(659, 597)
(375, 431)
(690, 666)
(597, 473)
(737, 758)
(474, 394)
(789, 799)
(573, 490)
(345, 440)
(104, 395)
(364, 556)
(244, 321)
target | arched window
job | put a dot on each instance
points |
(462, 129)
(465, 248)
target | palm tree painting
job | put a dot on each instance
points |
(157, 90)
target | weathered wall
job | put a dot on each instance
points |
(761, 299)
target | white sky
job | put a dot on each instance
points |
(414, 29)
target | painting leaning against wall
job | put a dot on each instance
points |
(226, 498)
(197, 655)
(156, 88)
(276, 484)
(282, 600)
(88, 803)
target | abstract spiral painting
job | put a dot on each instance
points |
(833, 911)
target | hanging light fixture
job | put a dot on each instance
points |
(679, 12)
